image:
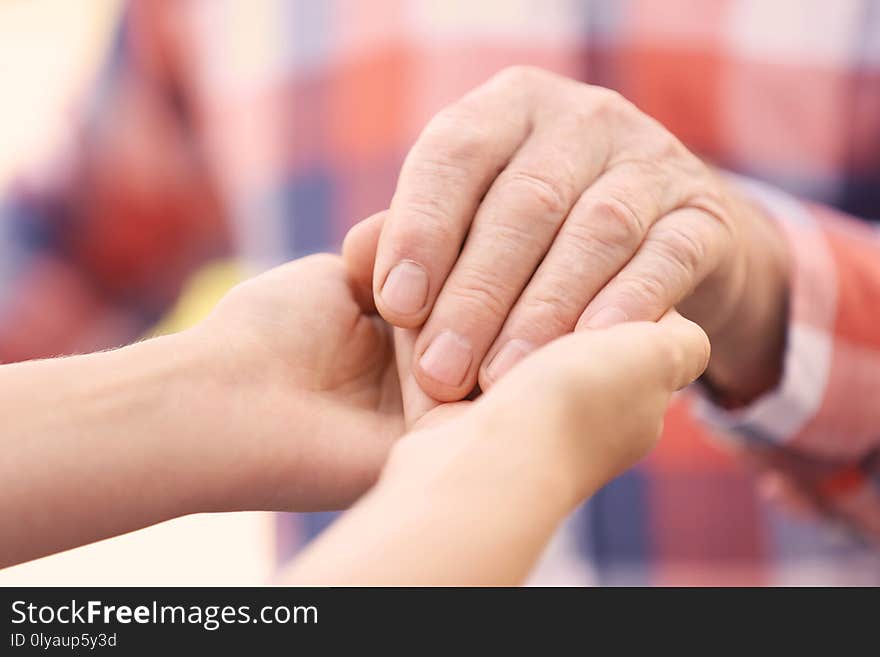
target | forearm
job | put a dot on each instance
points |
(97, 445)
(469, 525)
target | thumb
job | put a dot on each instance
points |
(359, 255)
(416, 402)
(682, 348)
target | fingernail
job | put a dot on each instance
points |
(606, 317)
(406, 288)
(510, 354)
(447, 359)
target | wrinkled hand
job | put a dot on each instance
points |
(537, 205)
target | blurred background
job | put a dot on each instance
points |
(49, 52)
(153, 152)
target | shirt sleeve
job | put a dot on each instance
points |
(821, 425)
(95, 245)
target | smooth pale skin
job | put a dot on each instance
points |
(288, 398)
(472, 496)
(537, 205)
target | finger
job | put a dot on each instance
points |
(678, 253)
(668, 354)
(596, 399)
(512, 231)
(445, 175)
(682, 351)
(359, 256)
(601, 233)
(415, 402)
(614, 382)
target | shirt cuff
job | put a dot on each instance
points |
(780, 414)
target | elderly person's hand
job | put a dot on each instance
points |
(536, 205)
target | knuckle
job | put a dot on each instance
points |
(604, 96)
(668, 147)
(549, 312)
(427, 221)
(586, 248)
(481, 294)
(519, 74)
(457, 134)
(647, 291)
(653, 176)
(619, 221)
(681, 249)
(657, 147)
(511, 237)
(544, 193)
(714, 207)
(606, 102)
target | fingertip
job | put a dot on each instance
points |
(359, 255)
(395, 319)
(444, 368)
(439, 391)
(402, 295)
(416, 402)
(362, 239)
(505, 358)
(693, 344)
(604, 318)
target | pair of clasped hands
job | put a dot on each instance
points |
(483, 356)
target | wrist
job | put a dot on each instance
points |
(172, 403)
(200, 417)
(243, 424)
(471, 465)
(748, 335)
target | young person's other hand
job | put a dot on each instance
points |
(308, 388)
(474, 492)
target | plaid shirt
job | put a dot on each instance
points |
(265, 128)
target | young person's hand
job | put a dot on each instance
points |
(474, 492)
(286, 398)
(536, 205)
(309, 380)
